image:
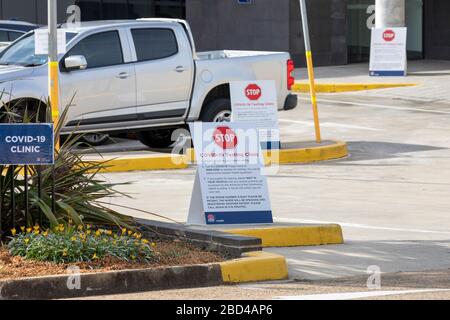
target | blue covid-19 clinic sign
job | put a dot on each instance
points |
(26, 144)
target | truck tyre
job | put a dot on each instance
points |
(95, 139)
(218, 110)
(158, 139)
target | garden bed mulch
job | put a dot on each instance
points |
(168, 254)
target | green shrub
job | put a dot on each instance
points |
(81, 194)
(80, 244)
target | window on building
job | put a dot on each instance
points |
(116, 9)
(152, 44)
(100, 50)
(131, 9)
(90, 9)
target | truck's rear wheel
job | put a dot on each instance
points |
(218, 110)
(156, 138)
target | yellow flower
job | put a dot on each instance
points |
(80, 227)
(138, 236)
(88, 226)
(13, 231)
(73, 238)
(23, 229)
(94, 256)
(45, 234)
(109, 232)
(29, 230)
(26, 240)
(133, 257)
(124, 230)
(36, 232)
(144, 241)
(98, 233)
(130, 233)
(65, 253)
(36, 227)
(88, 232)
(115, 236)
(153, 244)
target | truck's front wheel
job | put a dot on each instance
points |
(218, 110)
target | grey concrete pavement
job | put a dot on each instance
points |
(423, 285)
(431, 76)
(390, 195)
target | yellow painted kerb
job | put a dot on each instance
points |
(155, 162)
(308, 235)
(254, 266)
(333, 151)
(303, 87)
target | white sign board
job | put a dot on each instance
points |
(388, 52)
(229, 185)
(256, 103)
(41, 41)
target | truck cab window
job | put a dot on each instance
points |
(153, 44)
(100, 50)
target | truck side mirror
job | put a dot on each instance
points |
(75, 63)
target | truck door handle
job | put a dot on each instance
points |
(180, 69)
(123, 75)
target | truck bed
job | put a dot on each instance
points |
(229, 54)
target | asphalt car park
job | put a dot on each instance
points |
(389, 194)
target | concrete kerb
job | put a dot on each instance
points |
(329, 150)
(301, 87)
(253, 266)
(244, 246)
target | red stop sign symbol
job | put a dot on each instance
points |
(389, 35)
(253, 92)
(225, 137)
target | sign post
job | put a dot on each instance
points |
(309, 61)
(53, 73)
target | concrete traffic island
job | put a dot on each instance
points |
(251, 267)
(283, 234)
(245, 262)
(144, 161)
(299, 152)
(303, 87)
(290, 153)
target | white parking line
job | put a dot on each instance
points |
(357, 295)
(361, 226)
(380, 106)
(329, 125)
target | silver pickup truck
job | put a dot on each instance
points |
(141, 76)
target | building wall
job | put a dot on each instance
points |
(271, 25)
(262, 25)
(328, 32)
(34, 11)
(437, 29)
